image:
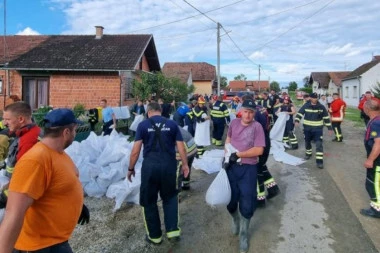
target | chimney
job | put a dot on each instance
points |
(99, 32)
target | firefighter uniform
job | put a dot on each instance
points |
(337, 110)
(372, 183)
(191, 150)
(267, 104)
(315, 117)
(264, 177)
(159, 174)
(289, 137)
(190, 122)
(219, 116)
(200, 112)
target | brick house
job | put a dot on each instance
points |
(200, 74)
(243, 85)
(65, 70)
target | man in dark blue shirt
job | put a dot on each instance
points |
(159, 171)
(372, 145)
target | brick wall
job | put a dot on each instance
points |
(67, 90)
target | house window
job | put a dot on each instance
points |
(128, 88)
(355, 93)
(35, 91)
(347, 92)
(1, 86)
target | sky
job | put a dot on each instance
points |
(285, 39)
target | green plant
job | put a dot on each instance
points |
(79, 109)
(40, 113)
(353, 114)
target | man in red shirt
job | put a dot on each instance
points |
(368, 96)
(337, 110)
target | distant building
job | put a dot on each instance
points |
(243, 85)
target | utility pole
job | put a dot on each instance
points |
(218, 56)
(259, 77)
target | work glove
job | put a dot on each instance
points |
(3, 200)
(3, 165)
(84, 217)
(233, 158)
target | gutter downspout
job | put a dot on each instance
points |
(360, 86)
(121, 83)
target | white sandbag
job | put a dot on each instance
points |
(2, 213)
(210, 162)
(93, 189)
(4, 180)
(113, 173)
(202, 134)
(277, 131)
(219, 192)
(138, 119)
(118, 191)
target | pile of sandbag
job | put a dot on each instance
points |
(103, 163)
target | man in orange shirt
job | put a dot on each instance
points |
(45, 195)
(337, 110)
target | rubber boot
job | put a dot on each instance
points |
(235, 223)
(243, 236)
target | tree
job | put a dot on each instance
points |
(223, 82)
(292, 86)
(306, 81)
(240, 77)
(163, 87)
(275, 86)
(376, 90)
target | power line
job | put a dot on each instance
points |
(295, 26)
(204, 14)
(238, 47)
(277, 13)
(184, 34)
(186, 18)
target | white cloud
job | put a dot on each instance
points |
(28, 31)
(285, 37)
(257, 55)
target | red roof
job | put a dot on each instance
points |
(14, 46)
(200, 71)
(251, 85)
(337, 77)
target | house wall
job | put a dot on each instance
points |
(203, 87)
(145, 65)
(352, 89)
(333, 88)
(15, 84)
(69, 89)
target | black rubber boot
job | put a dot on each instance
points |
(243, 236)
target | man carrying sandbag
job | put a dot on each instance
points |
(247, 136)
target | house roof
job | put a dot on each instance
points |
(337, 77)
(323, 78)
(363, 68)
(238, 85)
(12, 47)
(85, 52)
(200, 71)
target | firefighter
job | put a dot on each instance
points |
(191, 151)
(289, 137)
(337, 110)
(159, 173)
(315, 117)
(372, 164)
(220, 116)
(18, 119)
(200, 115)
(266, 103)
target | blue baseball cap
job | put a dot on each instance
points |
(60, 117)
(249, 104)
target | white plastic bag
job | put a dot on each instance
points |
(219, 192)
(138, 119)
(202, 134)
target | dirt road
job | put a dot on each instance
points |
(317, 211)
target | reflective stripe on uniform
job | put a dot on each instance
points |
(375, 203)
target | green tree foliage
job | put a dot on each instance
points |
(306, 80)
(168, 89)
(223, 82)
(275, 86)
(376, 90)
(240, 77)
(292, 86)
